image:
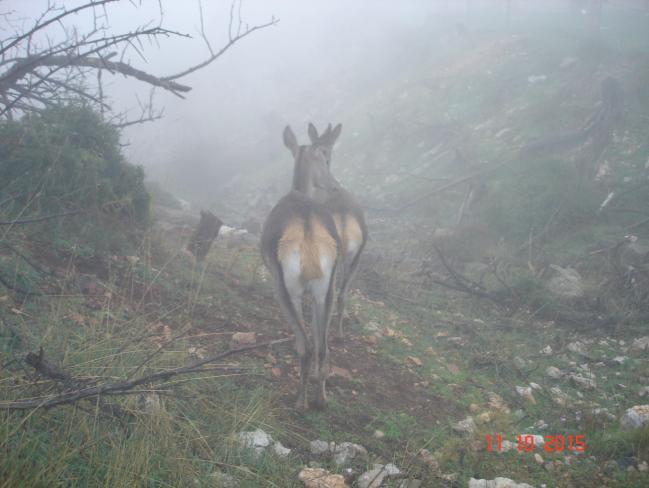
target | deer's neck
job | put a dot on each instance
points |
(302, 176)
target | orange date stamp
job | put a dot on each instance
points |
(529, 442)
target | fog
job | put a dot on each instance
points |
(311, 66)
(315, 64)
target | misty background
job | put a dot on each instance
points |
(320, 63)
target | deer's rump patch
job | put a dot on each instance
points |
(311, 241)
(349, 230)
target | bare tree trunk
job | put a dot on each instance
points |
(204, 235)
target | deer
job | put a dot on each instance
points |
(300, 246)
(348, 216)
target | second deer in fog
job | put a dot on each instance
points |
(348, 216)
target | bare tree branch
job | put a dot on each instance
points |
(232, 41)
(37, 71)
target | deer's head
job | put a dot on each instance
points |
(311, 174)
(326, 141)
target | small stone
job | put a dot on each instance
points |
(643, 467)
(566, 283)
(466, 426)
(255, 438)
(497, 483)
(540, 424)
(603, 413)
(474, 407)
(547, 350)
(559, 397)
(319, 447)
(538, 458)
(553, 372)
(641, 343)
(321, 478)
(644, 391)
(620, 360)
(346, 451)
(375, 476)
(635, 417)
(485, 418)
(280, 450)
(535, 386)
(379, 434)
(525, 392)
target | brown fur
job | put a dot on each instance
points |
(313, 243)
(348, 229)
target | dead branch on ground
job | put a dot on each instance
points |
(123, 387)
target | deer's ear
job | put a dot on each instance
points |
(290, 141)
(335, 133)
(313, 133)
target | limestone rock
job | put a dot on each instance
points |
(525, 392)
(553, 372)
(635, 417)
(641, 343)
(375, 476)
(319, 447)
(497, 483)
(321, 478)
(255, 438)
(566, 283)
(345, 452)
(559, 397)
(466, 426)
(546, 351)
(280, 450)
